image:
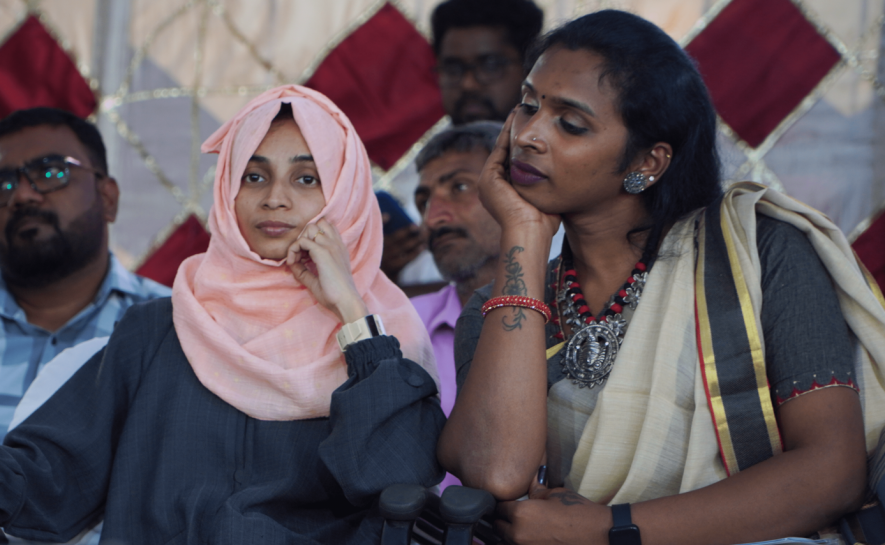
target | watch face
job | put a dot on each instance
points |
(624, 535)
(373, 325)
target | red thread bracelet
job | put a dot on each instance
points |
(517, 301)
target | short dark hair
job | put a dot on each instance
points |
(521, 19)
(661, 98)
(85, 131)
(463, 138)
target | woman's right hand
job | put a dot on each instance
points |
(498, 196)
(320, 261)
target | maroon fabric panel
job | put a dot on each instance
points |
(382, 77)
(870, 248)
(189, 239)
(36, 71)
(760, 58)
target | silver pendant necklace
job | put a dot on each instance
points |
(591, 350)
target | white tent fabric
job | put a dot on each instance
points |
(169, 72)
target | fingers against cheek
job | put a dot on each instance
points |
(500, 156)
(504, 135)
(503, 142)
(293, 255)
(324, 224)
(293, 261)
(329, 230)
(301, 250)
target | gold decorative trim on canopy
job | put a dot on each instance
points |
(754, 164)
(338, 38)
(704, 21)
(219, 10)
(197, 185)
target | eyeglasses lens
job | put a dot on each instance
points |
(491, 68)
(46, 175)
(49, 175)
(450, 73)
(8, 183)
(486, 71)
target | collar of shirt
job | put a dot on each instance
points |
(117, 279)
(438, 309)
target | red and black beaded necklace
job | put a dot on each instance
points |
(592, 347)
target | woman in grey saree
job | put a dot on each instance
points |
(730, 390)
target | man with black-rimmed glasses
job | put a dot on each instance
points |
(480, 48)
(60, 284)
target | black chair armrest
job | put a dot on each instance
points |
(400, 505)
(461, 508)
(413, 514)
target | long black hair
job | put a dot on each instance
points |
(661, 98)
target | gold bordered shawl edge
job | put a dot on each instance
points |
(730, 349)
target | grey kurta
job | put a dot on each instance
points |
(134, 437)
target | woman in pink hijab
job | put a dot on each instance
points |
(264, 402)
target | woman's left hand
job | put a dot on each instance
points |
(553, 515)
(320, 261)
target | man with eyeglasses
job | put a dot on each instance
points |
(60, 284)
(480, 48)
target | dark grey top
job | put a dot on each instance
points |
(135, 437)
(807, 341)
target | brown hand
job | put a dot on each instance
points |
(499, 197)
(401, 248)
(557, 515)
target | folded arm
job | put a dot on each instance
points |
(385, 421)
(497, 432)
(820, 476)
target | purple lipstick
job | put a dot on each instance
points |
(524, 173)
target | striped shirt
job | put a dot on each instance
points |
(26, 348)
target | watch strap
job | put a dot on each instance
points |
(621, 515)
(360, 330)
(623, 531)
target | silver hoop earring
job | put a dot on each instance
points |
(635, 183)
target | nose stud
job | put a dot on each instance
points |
(533, 139)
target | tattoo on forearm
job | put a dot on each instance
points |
(567, 498)
(516, 323)
(514, 285)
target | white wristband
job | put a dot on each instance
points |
(362, 329)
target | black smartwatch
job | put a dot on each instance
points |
(623, 531)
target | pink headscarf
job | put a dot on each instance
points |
(253, 334)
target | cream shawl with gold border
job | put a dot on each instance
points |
(650, 432)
